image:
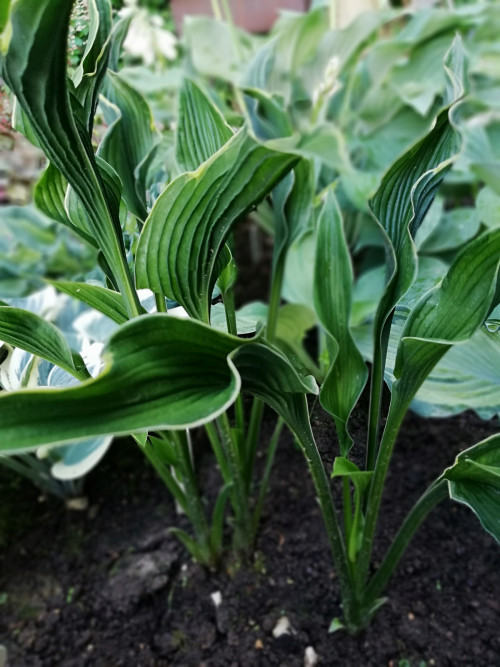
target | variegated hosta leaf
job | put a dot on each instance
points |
(449, 313)
(201, 128)
(129, 139)
(347, 374)
(474, 480)
(192, 218)
(162, 373)
(30, 332)
(34, 68)
(77, 460)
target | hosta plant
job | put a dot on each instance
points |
(164, 375)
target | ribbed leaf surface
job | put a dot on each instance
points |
(33, 334)
(201, 128)
(333, 280)
(190, 221)
(474, 480)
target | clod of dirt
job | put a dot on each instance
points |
(139, 576)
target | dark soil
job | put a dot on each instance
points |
(111, 587)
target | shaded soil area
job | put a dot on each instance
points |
(111, 586)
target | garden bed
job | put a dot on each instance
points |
(111, 587)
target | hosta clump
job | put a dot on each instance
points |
(165, 375)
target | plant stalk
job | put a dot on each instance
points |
(321, 483)
(195, 509)
(427, 502)
(273, 444)
(240, 498)
(161, 304)
(376, 388)
(394, 420)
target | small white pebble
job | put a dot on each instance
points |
(282, 627)
(310, 657)
(216, 598)
(77, 504)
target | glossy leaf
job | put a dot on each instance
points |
(449, 313)
(400, 204)
(49, 196)
(35, 71)
(298, 281)
(268, 375)
(201, 128)
(89, 75)
(30, 332)
(293, 207)
(162, 373)
(294, 321)
(474, 480)
(333, 280)
(102, 299)
(344, 468)
(190, 221)
(129, 139)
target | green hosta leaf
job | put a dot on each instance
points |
(229, 272)
(360, 479)
(455, 228)
(49, 196)
(488, 207)
(400, 204)
(162, 373)
(267, 115)
(129, 139)
(294, 321)
(30, 332)
(77, 213)
(35, 70)
(248, 318)
(268, 375)
(293, 206)
(299, 276)
(104, 300)
(467, 377)
(90, 73)
(490, 174)
(449, 313)
(201, 128)
(342, 467)
(211, 48)
(118, 35)
(404, 197)
(4, 14)
(332, 299)
(281, 67)
(474, 480)
(190, 221)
